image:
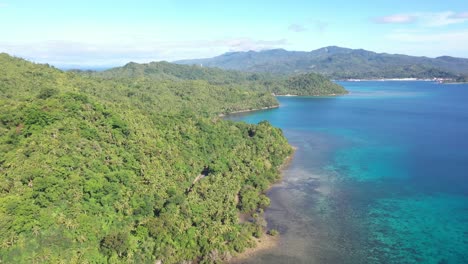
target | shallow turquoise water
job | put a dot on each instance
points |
(379, 176)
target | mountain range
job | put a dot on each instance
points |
(339, 63)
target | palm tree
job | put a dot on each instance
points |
(36, 230)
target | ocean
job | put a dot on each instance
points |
(379, 175)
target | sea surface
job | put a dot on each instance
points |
(379, 175)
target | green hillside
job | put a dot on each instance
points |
(312, 84)
(128, 170)
(170, 71)
(308, 84)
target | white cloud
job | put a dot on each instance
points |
(297, 28)
(454, 37)
(396, 19)
(429, 43)
(444, 18)
(437, 19)
(246, 44)
(461, 15)
(320, 26)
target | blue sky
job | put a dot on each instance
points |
(94, 33)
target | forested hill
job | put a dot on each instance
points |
(171, 71)
(312, 84)
(339, 63)
(128, 171)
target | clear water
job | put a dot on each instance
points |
(379, 175)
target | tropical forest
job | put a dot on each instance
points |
(136, 164)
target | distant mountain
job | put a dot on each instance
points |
(339, 63)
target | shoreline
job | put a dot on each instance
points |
(249, 110)
(436, 80)
(276, 106)
(391, 80)
(266, 242)
(285, 164)
(322, 95)
(455, 83)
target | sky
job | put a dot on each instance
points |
(104, 33)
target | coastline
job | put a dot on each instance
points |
(286, 163)
(275, 106)
(295, 95)
(266, 242)
(455, 83)
(249, 110)
(437, 80)
(391, 80)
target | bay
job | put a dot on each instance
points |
(379, 175)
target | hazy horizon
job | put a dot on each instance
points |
(112, 33)
(105, 67)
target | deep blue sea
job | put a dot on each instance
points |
(379, 175)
